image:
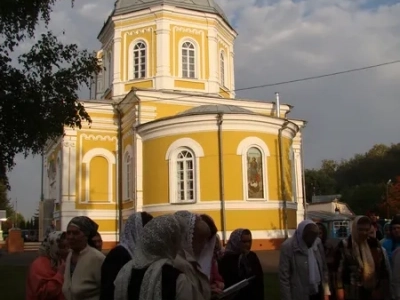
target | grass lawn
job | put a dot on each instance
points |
(271, 286)
(12, 283)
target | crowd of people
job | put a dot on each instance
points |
(176, 256)
(363, 266)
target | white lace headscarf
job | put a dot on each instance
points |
(132, 231)
(159, 244)
(188, 225)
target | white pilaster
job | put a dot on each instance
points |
(163, 78)
(139, 170)
(214, 84)
(69, 169)
(299, 182)
(117, 86)
(231, 70)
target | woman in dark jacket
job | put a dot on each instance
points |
(239, 263)
(122, 253)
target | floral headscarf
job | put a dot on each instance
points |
(132, 231)
(188, 223)
(50, 247)
(159, 244)
(234, 241)
(87, 226)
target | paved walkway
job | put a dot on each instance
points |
(269, 259)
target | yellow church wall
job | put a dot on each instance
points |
(189, 84)
(98, 184)
(224, 93)
(148, 35)
(155, 166)
(145, 84)
(165, 109)
(107, 225)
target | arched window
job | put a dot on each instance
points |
(139, 60)
(255, 174)
(128, 176)
(254, 154)
(184, 170)
(185, 173)
(222, 68)
(188, 60)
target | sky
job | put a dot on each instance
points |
(281, 40)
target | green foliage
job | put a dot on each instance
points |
(39, 96)
(360, 180)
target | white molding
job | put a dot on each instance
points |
(185, 143)
(216, 206)
(182, 124)
(171, 155)
(111, 161)
(244, 146)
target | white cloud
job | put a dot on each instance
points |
(283, 40)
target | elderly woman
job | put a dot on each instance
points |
(123, 253)
(46, 273)
(303, 274)
(239, 263)
(150, 274)
(190, 259)
(82, 275)
(361, 273)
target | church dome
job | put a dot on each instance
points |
(215, 109)
(208, 6)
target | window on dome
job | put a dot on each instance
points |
(188, 60)
(222, 68)
(139, 60)
(128, 177)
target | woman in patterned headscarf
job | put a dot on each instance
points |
(151, 275)
(196, 234)
(46, 273)
(82, 276)
(122, 253)
(239, 263)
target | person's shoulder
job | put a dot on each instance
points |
(118, 251)
(387, 243)
(96, 254)
(287, 244)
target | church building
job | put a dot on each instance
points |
(168, 134)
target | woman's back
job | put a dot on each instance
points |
(168, 284)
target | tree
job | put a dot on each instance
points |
(4, 201)
(361, 180)
(39, 97)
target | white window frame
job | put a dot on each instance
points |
(222, 68)
(244, 146)
(172, 157)
(131, 59)
(196, 59)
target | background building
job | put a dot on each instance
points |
(168, 134)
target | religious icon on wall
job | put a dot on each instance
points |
(255, 176)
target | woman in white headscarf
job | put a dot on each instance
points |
(194, 260)
(122, 253)
(303, 273)
(151, 272)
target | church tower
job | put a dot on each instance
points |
(167, 45)
(168, 134)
